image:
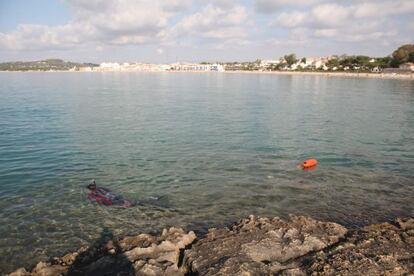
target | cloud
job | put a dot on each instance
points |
(271, 6)
(384, 8)
(227, 4)
(326, 33)
(126, 21)
(353, 21)
(117, 22)
(40, 37)
(362, 8)
(161, 25)
(133, 22)
(320, 16)
(290, 19)
(214, 22)
(297, 37)
(329, 15)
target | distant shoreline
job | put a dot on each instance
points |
(409, 76)
(331, 74)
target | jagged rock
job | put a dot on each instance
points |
(406, 224)
(142, 240)
(47, 269)
(261, 246)
(136, 255)
(164, 253)
(255, 246)
(150, 270)
(68, 259)
(20, 272)
(381, 249)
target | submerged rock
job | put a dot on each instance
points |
(253, 246)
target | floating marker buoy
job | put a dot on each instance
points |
(310, 163)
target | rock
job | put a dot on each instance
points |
(139, 264)
(405, 224)
(46, 269)
(171, 257)
(143, 240)
(254, 246)
(139, 252)
(173, 271)
(136, 255)
(260, 245)
(103, 264)
(294, 272)
(150, 270)
(20, 272)
(381, 249)
(163, 255)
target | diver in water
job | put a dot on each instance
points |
(104, 196)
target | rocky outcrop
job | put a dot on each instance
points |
(380, 249)
(136, 255)
(253, 246)
(257, 246)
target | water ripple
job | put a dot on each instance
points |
(217, 147)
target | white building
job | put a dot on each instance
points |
(318, 62)
(109, 66)
(85, 69)
(197, 67)
(217, 67)
(150, 67)
(268, 62)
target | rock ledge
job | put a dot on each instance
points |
(253, 246)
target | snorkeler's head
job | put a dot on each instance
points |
(92, 185)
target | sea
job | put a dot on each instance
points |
(207, 148)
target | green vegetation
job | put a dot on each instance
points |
(43, 65)
(403, 54)
(354, 63)
(290, 59)
(358, 63)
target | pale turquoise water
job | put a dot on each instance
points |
(219, 146)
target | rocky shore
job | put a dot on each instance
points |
(253, 246)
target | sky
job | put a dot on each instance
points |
(200, 30)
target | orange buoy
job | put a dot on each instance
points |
(309, 163)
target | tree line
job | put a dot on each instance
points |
(402, 55)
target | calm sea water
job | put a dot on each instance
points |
(218, 147)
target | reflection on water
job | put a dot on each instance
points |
(217, 147)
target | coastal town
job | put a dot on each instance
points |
(305, 64)
(401, 61)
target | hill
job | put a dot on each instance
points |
(43, 65)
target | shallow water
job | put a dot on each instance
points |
(218, 146)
